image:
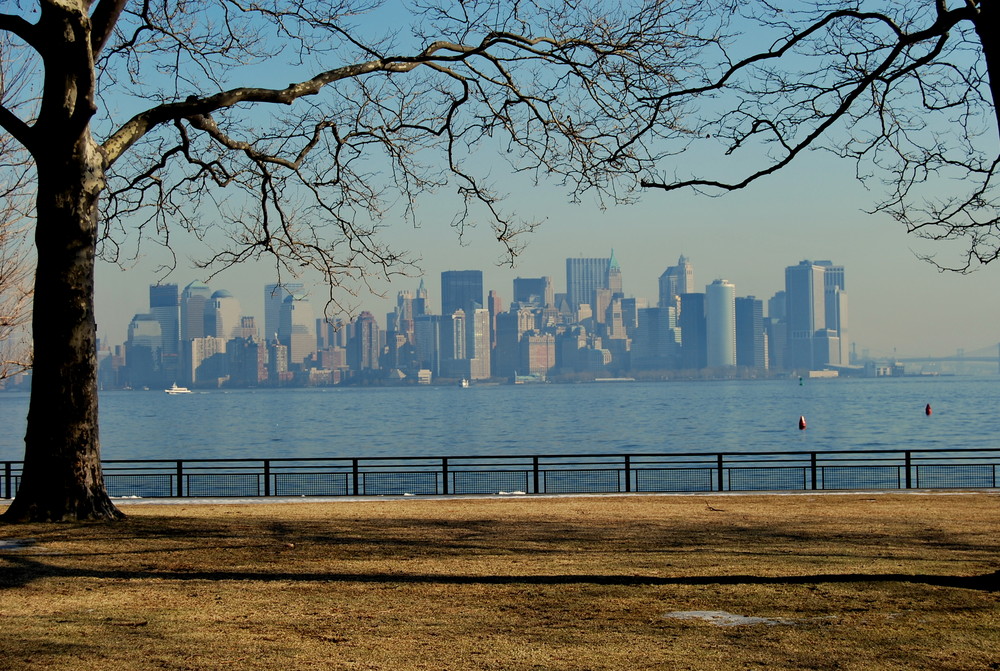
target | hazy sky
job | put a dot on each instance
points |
(897, 303)
(812, 210)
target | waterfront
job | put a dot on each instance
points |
(706, 417)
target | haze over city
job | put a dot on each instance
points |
(899, 303)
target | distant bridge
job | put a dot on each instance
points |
(984, 355)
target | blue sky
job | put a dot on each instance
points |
(812, 210)
(897, 302)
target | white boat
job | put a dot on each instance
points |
(464, 384)
(174, 389)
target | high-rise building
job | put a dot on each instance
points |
(816, 306)
(538, 354)
(364, 346)
(454, 340)
(657, 341)
(614, 277)
(750, 339)
(247, 361)
(222, 315)
(427, 332)
(583, 278)
(720, 324)
(614, 323)
(165, 308)
(400, 320)
(297, 328)
(208, 360)
(511, 326)
(193, 300)
(835, 299)
(274, 298)
(421, 303)
(630, 313)
(461, 290)
(277, 363)
(776, 327)
(248, 328)
(693, 339)
(533, 291)
(478, 348)
(495, 306)
(674, 281)
(142, 352)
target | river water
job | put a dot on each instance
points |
(624, 417)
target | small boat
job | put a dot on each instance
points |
(174, 389)
(464, 384)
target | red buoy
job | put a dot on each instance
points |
(802, 422)
(927, 410)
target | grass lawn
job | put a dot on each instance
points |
(848, 581)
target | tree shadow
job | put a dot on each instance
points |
(23, 570)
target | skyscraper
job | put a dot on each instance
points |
(692, 322)
(538, 354)
(657, 339)
(614, 277)
(511, 326)
(208, 360)
(165, 308)
(495, 306)
(363, 348)
(750, 349)
(142, 351)
(193, 300)
(453, 359)
(816, 315)
(674, 281)
(427, 332)
(421, 303)
(274, 298)
(534, 291)
(583, 278)
(835, 299)
(720, 324)
(297, 328)
(461, 290)
(222, 315)
(478, 348)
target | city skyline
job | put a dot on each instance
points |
(205, 338)
(899, 304)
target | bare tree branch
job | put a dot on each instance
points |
(908, 93)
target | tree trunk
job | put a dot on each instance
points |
(988, 29)
(62, 478)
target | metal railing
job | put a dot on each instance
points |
(545, 474)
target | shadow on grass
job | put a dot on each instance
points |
(402, 538)
(23, 570)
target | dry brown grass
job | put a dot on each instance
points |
(856, 582)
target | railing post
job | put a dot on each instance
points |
(354, 475)
(180, 478)
(909, 482)
(628, 473)
(267, 477)
(719, 466)
(444, 475)
(534, 470)
(812, 467)
(8, 474)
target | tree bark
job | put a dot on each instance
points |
(988, 29)
(62, 478)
